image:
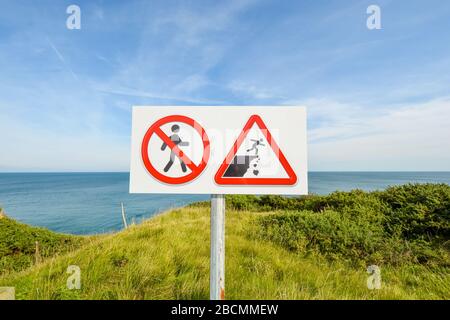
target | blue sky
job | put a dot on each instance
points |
(376, 99)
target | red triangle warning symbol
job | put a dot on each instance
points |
(229, 173)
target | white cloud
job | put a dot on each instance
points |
(193, 25)
(196, 39)
(26, 148)
(121, 91)
(252, 91)
(414, 137)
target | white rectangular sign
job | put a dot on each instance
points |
(219, 150)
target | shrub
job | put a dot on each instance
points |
(420, 211)
(242, 202)
(407, 223)
(18, 244)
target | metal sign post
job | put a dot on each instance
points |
(217, 268)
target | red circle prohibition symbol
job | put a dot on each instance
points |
(156, 129)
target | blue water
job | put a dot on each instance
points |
(87, 203)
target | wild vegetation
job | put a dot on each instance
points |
(315, 247)
(18, 244)
(403, 224)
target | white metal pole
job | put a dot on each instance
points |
(217, 268)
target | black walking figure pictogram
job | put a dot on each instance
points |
(255, 145)
(177, 141)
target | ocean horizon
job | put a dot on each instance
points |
(90, 202)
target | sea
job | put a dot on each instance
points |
(90, 203)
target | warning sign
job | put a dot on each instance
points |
(219, 150)
(170, 146)
(255, 158)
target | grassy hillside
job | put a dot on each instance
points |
(276, 248)
(18, 244)
(403, 224)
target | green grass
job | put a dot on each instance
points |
(18, 244)
(277, 248)
(403, 224)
